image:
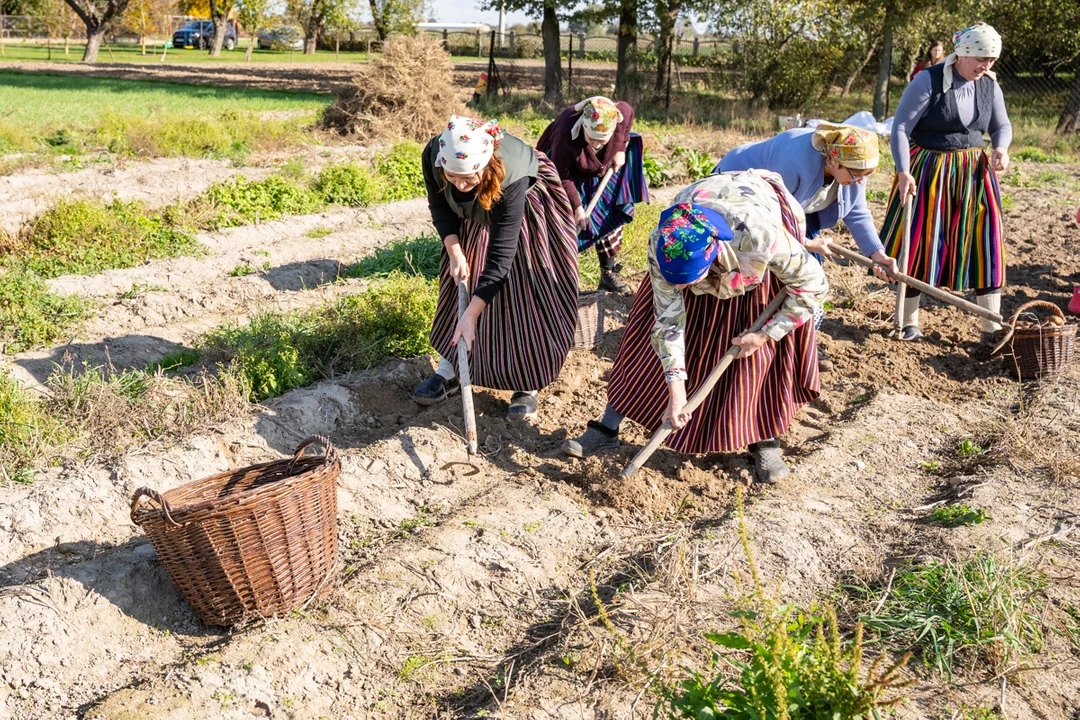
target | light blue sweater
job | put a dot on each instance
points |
(791, 155)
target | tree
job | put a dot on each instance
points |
(146, 18)
(97, 16)
(253, 16)
(219, 12)
(546, 10)
(667, 14)
(389, 16)
(626, 78)
(313, 15)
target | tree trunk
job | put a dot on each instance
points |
(93, 43)
(627, 48)
(881, 87)
(378, 20)
(549, 28)
(667, 15)
(251, 46)
(310, 42)
(217, 14)
(859, 69)
(1070, 116)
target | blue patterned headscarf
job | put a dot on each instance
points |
(687, 242)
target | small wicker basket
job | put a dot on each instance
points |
(590, 320)
(1041, 351)
(252, 542)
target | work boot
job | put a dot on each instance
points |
(911, 332)
(523, 406)
(596, 438)
(435, 389)
(609, 280)
(769, 465)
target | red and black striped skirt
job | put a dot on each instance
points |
(756, 398)
(524, 335)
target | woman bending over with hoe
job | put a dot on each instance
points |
(585, 142)
(728, 244)
(508, 233)
(937, 144)
(825, 169)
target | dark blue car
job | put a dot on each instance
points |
(200, 34)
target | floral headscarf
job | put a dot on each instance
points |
(850, 146)
(979, 40)
(466, 145)
(599, 116)
(687, 241)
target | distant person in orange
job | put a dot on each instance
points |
(934, 56)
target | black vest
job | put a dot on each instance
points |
(940, 127)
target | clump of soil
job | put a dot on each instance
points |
(409, 92)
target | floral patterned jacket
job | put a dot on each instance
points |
(760, 245)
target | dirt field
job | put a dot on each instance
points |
(467, 594)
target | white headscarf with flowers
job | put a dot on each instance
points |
(598, 118)
(467, 144)
(979, 40)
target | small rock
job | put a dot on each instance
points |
(475, 621)
(860, 465)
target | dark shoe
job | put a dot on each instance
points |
(769, 465)
(610, 281)
(523, 406)
(824, 364)
(435, 389)
(596, 438)
(911, 332)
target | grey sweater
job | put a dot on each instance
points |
(916, 99)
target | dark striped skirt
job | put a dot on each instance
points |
(956, 229)
(524, 335)
(616, 205)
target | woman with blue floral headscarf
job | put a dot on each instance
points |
(720, 253)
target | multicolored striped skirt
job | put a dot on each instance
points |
(524, 335)
(956, 235)
(616, 206)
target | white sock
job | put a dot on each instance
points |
(991, 302)
(910, 313)
(446, 369)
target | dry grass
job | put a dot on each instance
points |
(408, 93)
(1044, 436)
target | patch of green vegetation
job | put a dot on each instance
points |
(877, 195)
(958, 515)
(930, 465)
(968, 448)
(88, 236)
(349, 184)
(240, 201)
(413, 665)
(419, 255)
(533, 526)
(698, 163)
(657, 173)
(26, 430)
(401, 169)
(1008, 202)
(320, 231)
(30, 315)
(139, 289)
(1033, 154)
(425, 517)
(174, 361)
(981, 611)
(634, 255)
(243, 269)
(278, 352)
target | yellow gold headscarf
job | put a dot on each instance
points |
(850, 146)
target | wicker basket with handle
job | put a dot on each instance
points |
(252, 542)
(1041, 351)
(590, 326)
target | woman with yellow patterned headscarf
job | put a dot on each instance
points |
(584, 142)
(825, 169)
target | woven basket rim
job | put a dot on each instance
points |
(313, 468)
(1046, 331)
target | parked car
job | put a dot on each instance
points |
(281, 37)
(200, 34)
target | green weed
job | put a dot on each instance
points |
(967, 448)
(656, 171)
(349, 184)
(981, 611)
(243, 269)
(698, 163)
(139, 289)
(957, 515)
(425, 517)
(413, 256)
(319, 231)
(26, 430)
(30, 315)
(240, 201)
(1034, 154)
(401, 169)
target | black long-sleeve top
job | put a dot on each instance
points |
(504, 231)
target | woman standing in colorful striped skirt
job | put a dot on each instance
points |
(937, 144)
(508, 232)
(728, 244)
(585, 141)
(825, 169)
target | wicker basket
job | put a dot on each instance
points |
(251, 542)
(590, 320)
(1041, 351)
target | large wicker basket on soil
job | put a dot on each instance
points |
(1043, 349)
(248, 543)
(590, 320)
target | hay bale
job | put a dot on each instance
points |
(407, 93)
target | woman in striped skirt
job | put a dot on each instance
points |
(937, 144)
(728, 244)
(585, 141)
(508, 233)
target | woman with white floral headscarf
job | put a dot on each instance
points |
(937, 145)
(508, 232)
(585, 141)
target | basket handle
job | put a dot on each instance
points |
(331, 452)
(153, 495)
(1035, 303)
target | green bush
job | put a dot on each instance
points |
(278, 352)
(241, 201)
(88, 236)
(349, 184)
(656, 171)
(26, 430)
(401, 168)
(957, 515)
(413, 256)
(30, 315)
